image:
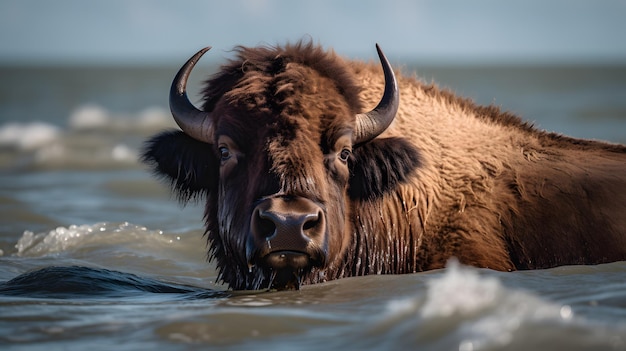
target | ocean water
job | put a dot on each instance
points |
(95, 253)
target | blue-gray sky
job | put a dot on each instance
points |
(433, 30)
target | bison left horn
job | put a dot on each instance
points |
(194, 122)
(371, 124)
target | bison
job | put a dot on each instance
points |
(302, 186)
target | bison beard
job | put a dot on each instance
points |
(300, 188)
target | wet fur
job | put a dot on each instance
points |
(448, 178)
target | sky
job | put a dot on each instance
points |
(163, 31)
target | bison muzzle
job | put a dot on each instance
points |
(288, 236)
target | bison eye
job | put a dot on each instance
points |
(344, 155)
(224, 153)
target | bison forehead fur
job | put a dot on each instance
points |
(447, 179)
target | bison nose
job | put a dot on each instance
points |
(287, 224)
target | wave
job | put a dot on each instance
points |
(95, 117)
(28, 136)
(78, 282)
(93, 138)
(127, 247)
(468, 309)
(67, 239)
(460, 307)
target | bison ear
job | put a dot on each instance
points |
(188, 164)
(380, 165)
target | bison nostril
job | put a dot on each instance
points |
(266, 227)
(311, 223)
(263, 224)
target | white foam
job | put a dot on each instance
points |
(78, 236)
(89, 117)
(460, 291)
(478, 309)
(123, 153)
(154, 117)
(28, 136)
(93, 117)
(56, 240)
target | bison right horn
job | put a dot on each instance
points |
(371, 124)
(194, 122)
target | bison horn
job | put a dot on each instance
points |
(371, 124)
(194, 122)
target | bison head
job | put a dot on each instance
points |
(279, 149)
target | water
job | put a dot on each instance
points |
(95, 253)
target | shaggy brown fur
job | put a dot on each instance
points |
(447, 179)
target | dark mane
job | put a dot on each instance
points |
(494, 114)
(271, 60)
